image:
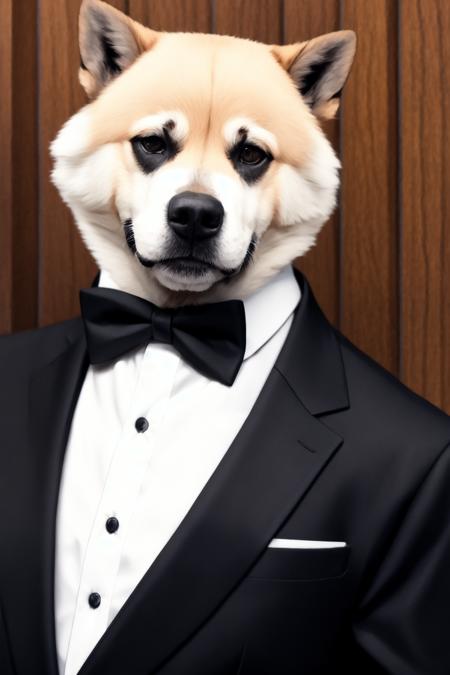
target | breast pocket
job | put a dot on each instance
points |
(301, 564)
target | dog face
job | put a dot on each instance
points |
(199, 167)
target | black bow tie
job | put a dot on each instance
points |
(211, 337)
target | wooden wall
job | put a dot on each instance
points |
(381, 268)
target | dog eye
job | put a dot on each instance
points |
(153, 145)
(251, 154)
(153, 151)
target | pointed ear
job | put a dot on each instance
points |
(109, 42)
(319, 68)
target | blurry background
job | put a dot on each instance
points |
(381, 268)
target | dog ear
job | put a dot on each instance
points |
(109, 42)
(319, 68)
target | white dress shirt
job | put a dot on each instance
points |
(124, 492)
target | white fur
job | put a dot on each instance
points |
(88, 181)
(307, 199)
(73, 138)
(145, 198)
(308, 194)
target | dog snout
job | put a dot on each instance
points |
(195, 216)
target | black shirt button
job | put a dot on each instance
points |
(112, 525)
(141, 425)
(95, 600)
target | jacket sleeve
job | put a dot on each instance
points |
(403, 622)
(6, 665)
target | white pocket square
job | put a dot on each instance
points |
(305, 543)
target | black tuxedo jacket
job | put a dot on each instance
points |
(334, 449)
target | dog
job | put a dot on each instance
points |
(198, 168)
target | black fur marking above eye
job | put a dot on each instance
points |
(318, 68)
(129, 235)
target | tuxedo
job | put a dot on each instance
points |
(335, 451)
(147, 433)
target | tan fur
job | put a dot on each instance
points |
(296, 58)
(202, 76)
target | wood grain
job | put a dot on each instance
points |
(369, 287)
(380, 269)
(25, 167)
(18, 158)
(6, 200)
(321, 263)
(255, 19)
(425, 198)
(177, 15)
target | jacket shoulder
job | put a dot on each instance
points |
(387, 407)
(27, 347)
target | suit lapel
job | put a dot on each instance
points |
(274, 460)
(53, 392)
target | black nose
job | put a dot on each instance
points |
(195, 216)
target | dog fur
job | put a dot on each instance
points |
(206, 93)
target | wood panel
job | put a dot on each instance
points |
(321, 263)
(18, 187)
(65, 264)
(254, 19)
(380, 268)
(6, 202)
(24, 175)
(369, 287)
(177, 15)
(425, 200)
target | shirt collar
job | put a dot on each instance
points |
(266, 309)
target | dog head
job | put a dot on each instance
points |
(199, 168)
